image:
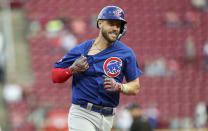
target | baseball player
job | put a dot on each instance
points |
(98, 67)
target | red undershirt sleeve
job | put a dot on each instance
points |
(60, 75)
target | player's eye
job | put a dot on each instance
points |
(115, 23)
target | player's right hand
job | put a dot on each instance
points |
(110, 84)
(80, 65)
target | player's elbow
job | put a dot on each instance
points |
(136, 90)
(54, 78)
(134, 87)
(58, 75)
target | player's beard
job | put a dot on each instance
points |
(106, 35)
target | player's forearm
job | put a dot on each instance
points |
(132, 88)
(60, 75)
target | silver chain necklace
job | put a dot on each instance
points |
(96, 48)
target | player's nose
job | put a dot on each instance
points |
(115, 28)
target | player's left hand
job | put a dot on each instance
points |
(110, 84)
(80, 65)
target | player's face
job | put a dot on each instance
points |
(111, 29)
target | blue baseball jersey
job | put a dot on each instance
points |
(116, 61)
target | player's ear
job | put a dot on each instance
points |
(100, 23)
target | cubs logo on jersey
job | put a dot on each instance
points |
(112, 66)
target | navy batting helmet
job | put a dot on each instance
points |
(113, 13)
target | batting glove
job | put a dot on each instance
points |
(80, 65)
(110, 84)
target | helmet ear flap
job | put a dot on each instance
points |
(122, 27)
(123, 32)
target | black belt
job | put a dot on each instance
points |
(106, 111)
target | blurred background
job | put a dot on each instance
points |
(169, 38)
